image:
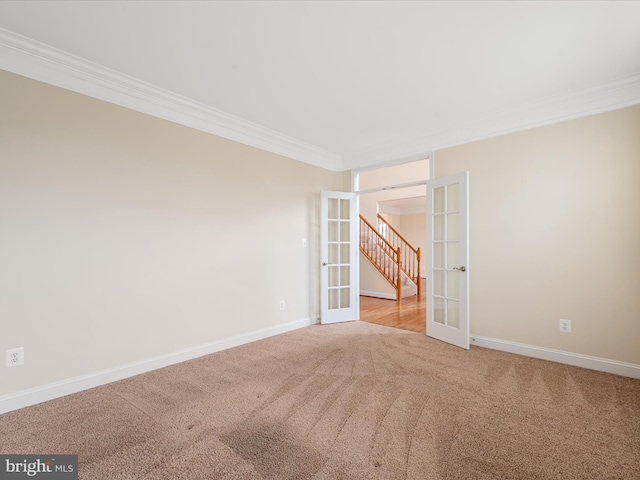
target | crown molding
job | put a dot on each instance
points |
(36, 60)
(613, 95)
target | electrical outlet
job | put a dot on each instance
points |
(15, 357)
(565, 326)
(281, 304)
(304, 243)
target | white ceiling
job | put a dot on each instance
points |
(337, 84)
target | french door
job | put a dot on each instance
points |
(448, 259)
(339, 292)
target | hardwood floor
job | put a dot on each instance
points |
(408, 314)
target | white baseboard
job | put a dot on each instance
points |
(390, 296)
(577, 360)
(25, 398)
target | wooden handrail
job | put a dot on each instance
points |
(410, 262)
(382, 255)
(380, 217)
(375, 231)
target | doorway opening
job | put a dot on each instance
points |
(394, 198)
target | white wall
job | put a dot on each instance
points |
(125, 237)
(555, 233)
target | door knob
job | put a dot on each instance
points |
(324, 264)
(461, 269)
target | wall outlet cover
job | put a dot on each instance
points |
(15, 357)
(565, 326)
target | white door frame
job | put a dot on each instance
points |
(355, 187)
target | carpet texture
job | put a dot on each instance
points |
(345, 401)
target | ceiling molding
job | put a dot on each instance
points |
(601, 98)
(36, 60)
(27, 57)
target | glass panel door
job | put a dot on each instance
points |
(338, 278)
(447, 260)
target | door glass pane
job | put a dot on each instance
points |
(438, 200)
(438, 227)
(344, 231)
(344, 254)
(452, 226)
(333, 253)
(344, 297)
(344, 209)
(334, 281)
(438, 255)
(333, 299)
(333, 231)
(332, 210)
(453, 254)
(445, 241)
(438, 310)
(344, 276)
(338, 227)
(438, 282)
(453, 285)
(452, 197)
(453, 313)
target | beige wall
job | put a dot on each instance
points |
(413, 227)
(368, 202)
(395, 175)
(124, 237)
(555, 233)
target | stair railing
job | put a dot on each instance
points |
(382, 255)
(409, 255)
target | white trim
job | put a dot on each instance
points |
(25, 398)
(432, 165)
(613, 95)
(397, 186)
(395, 161)
(30, 58)
(33, 59)
(355, 175)
(388, 296)
(577, 360)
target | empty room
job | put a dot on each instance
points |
(188, 240)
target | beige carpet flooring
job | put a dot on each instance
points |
(346, 401)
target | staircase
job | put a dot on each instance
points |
(396, 259)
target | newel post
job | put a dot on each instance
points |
(419, 282)
(399, 276)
